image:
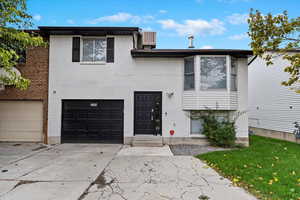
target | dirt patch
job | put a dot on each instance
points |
(192, 150)
(100, 181)
(203, 197)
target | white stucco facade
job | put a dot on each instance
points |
(119, 80)
(272, 106)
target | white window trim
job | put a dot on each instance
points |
(194, 58)
(190, 134)
(227, 57)
(236, 74)
(81, 52)
(193, 135)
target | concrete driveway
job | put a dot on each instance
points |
(61, 172)
(112, 172)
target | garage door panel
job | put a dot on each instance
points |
(116, 115)
(98, 121)
(20, 135)
(73, 125)
(21, 121)
(20, 114)
(25, 125)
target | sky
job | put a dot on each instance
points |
(219, 24)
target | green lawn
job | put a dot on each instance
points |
(269, 168)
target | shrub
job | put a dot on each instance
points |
(218, 132)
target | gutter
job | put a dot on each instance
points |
(251, 61)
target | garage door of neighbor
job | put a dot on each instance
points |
(92, 121)
(21, 121)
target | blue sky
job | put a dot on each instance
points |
(214, 23)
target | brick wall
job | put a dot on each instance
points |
(36, 70)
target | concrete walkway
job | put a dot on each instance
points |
(104, 172)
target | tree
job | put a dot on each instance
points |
(277, 33)
(14, 40)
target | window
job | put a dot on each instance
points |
(93, 50)
(196, 126)
(197, 123)
(189, 75)
(22, 56)
(213, 73)
(233, 70)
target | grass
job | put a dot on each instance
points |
(269, 168)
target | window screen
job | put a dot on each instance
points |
(213, 73)
(189, 75)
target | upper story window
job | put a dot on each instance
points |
(189, 74)
(213, 72)
(233, 74)
(93, 50)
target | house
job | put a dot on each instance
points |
(23, 114)
(112, 85)
(273, 108)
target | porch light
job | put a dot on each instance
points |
(170, 94)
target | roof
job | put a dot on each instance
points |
(92, 31)
(189, 52)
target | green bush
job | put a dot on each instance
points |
(219, 133)
(225, 134)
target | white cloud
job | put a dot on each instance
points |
(123, 17)
(37, 17)
(195, 27)
(70, 21)
(238, 18)
(162, 11)
(238, 36)
(207, 47)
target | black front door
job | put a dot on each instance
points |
(92, 121)
(147, 113)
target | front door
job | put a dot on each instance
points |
(147, 113)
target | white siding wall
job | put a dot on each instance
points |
(242, 84)
(119, 80)
(269, 101)
(116, 80)
(201, 100)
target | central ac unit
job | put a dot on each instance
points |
(149, 39)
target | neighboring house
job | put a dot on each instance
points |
(273, 108)
(110, 84)
(23, 114)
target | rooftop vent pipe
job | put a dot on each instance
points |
(191, 41)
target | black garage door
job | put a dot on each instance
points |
(92, 121)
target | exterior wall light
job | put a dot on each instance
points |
(170, 94)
